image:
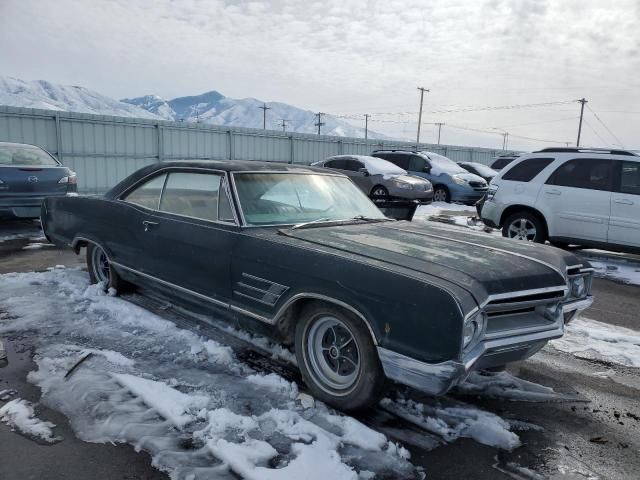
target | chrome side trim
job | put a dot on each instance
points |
(253, 277)
(172, 285)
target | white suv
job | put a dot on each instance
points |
(588, 197)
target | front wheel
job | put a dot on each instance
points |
(337, 358)
(525, 225)
(441, 194)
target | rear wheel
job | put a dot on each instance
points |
(441, 194)
(101, 271)
(337, 358)
(524, 225)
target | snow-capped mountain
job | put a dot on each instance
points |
(52, 96)
(210, 107)
(213, 107)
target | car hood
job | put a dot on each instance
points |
(479, 263)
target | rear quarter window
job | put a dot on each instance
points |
(527, 170)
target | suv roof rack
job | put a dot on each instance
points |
(587, 150)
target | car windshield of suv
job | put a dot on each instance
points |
(293, 198)
(440, 164)
(19, 155)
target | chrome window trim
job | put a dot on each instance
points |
(177, 169)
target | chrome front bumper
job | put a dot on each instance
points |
(439, 378)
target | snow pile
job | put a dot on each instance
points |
(436, 208)
(506, 386)
(187, 400)
(19, 414)
(589, 339)
(455, 422)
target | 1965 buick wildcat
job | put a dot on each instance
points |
(302, 253)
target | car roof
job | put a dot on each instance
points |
(15, 144)
(240, 166)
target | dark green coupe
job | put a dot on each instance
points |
(304, 255)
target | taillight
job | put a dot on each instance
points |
(70, 179)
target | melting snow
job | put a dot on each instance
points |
(590, 339)
(19, 414)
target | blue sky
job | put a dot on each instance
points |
(353, 57)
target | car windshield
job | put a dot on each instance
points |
(378, 166)
(292, 198)
(483, 170)
(444, 164)
(24, 155)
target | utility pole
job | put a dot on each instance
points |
(422, 90)
(366, 127)
(505, 140)
(284, 124)
(319, 123)
(439, 124)
(582, 102)
(264, 109)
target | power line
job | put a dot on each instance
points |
(604, 142)
(605, 126)
(283, 123)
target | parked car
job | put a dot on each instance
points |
(479, 169)
(503, 160)
(379, 178)
(302, 254)
(27, 175)
(451, 183)
(588, 197)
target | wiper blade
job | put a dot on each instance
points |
(306, 224)
(368, 219)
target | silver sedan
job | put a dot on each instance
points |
(379, 178)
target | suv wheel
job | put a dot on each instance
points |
(525, 225)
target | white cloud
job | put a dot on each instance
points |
(349, 56)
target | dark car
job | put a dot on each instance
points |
(479, 169)
(502, 161)
(27, 175)
(303, 254)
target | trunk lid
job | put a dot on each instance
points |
(32, 180)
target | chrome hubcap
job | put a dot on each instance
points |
(101, 268)
(333, 355)
(439, 195)
(522, 229)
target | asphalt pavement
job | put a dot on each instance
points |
(598, 437)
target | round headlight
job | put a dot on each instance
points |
(469, 332)
(578, 287)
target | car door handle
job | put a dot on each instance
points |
(553, 191)
(624, 201)
(148, 224)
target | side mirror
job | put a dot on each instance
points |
(364, 170)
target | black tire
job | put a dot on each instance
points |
(366, 386)
(100, 270)
(379, 191)
(525, 225)
(441, 193)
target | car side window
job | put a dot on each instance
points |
(417, 164)
(338, 163)
(630, 178)
(397, 159)
(527, 170)
(354, 165)
(192, 194)
(589, 173)
(148, 194)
